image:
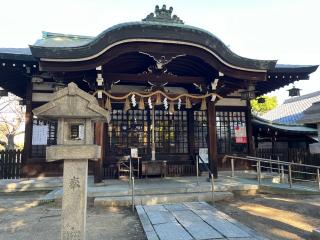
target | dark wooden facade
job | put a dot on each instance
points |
(157, 54)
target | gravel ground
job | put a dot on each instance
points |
(21, 219)
(276, 216)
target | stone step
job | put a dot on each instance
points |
(125, 201)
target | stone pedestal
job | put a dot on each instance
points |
(74, 201)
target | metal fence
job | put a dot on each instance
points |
(296, 172)
(296, 155)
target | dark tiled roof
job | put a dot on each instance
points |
(24, 51)
(291, 111)
(20, 54)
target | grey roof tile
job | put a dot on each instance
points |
(291, 111)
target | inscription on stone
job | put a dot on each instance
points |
(71, 234)
(74, 183)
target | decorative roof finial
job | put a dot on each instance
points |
(163, 15)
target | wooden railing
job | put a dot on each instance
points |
(10, 164)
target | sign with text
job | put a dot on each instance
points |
(241, 133)
(40, 134)
(134, 152)
(203, 153)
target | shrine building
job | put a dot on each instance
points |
(171, 89)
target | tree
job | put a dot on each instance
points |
(11, 121)
(261, 108)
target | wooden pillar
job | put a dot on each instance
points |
(190, 117)
(250, 130)
(99, 130)
(28, 129)
(99, 140)
(212, 139)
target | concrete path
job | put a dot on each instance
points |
(188, 221)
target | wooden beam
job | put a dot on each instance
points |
(144, 78)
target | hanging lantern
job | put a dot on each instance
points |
(171, 107)
(141, 104)
(107, 105)
(126, 105)
(261, 100)
(294, 92)
(203, 105)
(188, 103)
(158, 99)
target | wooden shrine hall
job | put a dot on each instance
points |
(172, 90)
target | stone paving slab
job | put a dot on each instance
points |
(191, 220)
(227, 228)
(195, 225)
(160, 217)
(172, 231)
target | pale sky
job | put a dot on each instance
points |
(284, 30)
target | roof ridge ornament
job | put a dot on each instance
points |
(163, 15)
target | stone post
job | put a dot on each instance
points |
(74, 202)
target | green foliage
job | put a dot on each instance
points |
(261, 108)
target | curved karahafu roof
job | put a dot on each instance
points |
(161, 27)
(76, 48)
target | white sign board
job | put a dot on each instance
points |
(134, 152)
(40, 134)
(203, 153)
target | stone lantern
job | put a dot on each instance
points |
(75, 111)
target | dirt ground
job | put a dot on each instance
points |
(21, 219)
(276, 216)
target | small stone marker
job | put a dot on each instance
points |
(75, 111)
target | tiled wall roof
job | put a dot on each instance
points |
(292, 109)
